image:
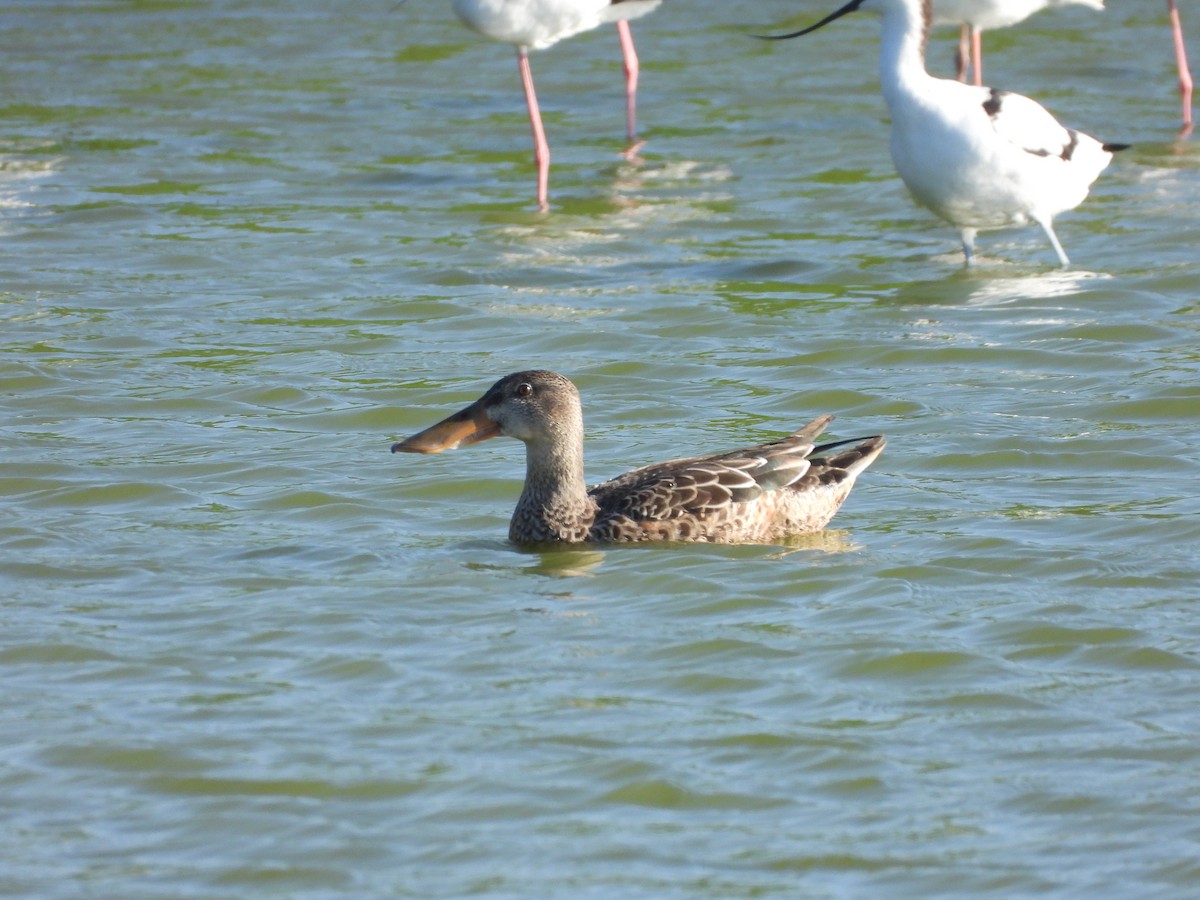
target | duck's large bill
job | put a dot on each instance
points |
(468, 426)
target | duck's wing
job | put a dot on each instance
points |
(701, 486)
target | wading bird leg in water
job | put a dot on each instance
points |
(977, 55)
(629, 54)
(969, 55)
(541, 149)
(1185, 74)
(963, 53)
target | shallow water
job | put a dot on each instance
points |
(247, 652)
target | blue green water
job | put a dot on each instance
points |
(244, 651)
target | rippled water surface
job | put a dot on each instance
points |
(246, 652)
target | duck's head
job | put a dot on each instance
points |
(535, 407)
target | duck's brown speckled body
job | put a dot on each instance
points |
(755, 494)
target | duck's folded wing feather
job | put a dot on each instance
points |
(699, 486)
(678, 488)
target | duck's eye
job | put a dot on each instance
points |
(524, 389)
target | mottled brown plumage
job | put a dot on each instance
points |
(762, 493)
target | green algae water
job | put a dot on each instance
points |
(246, 652)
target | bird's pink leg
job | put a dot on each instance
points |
(541, 149)
(631, 78)
(963, 54)
(1185, 74)
(977, 54)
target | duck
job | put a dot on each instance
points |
(538, 24)
(757, 494)
(977, 157)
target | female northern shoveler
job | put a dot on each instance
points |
(756, 494)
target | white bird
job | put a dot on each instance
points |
(1185, 74)
(978, 157)
(538, 24)
(974, 16)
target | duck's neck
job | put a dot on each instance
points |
(554, 505)
(902, 50)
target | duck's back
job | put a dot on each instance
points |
(757, 493)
